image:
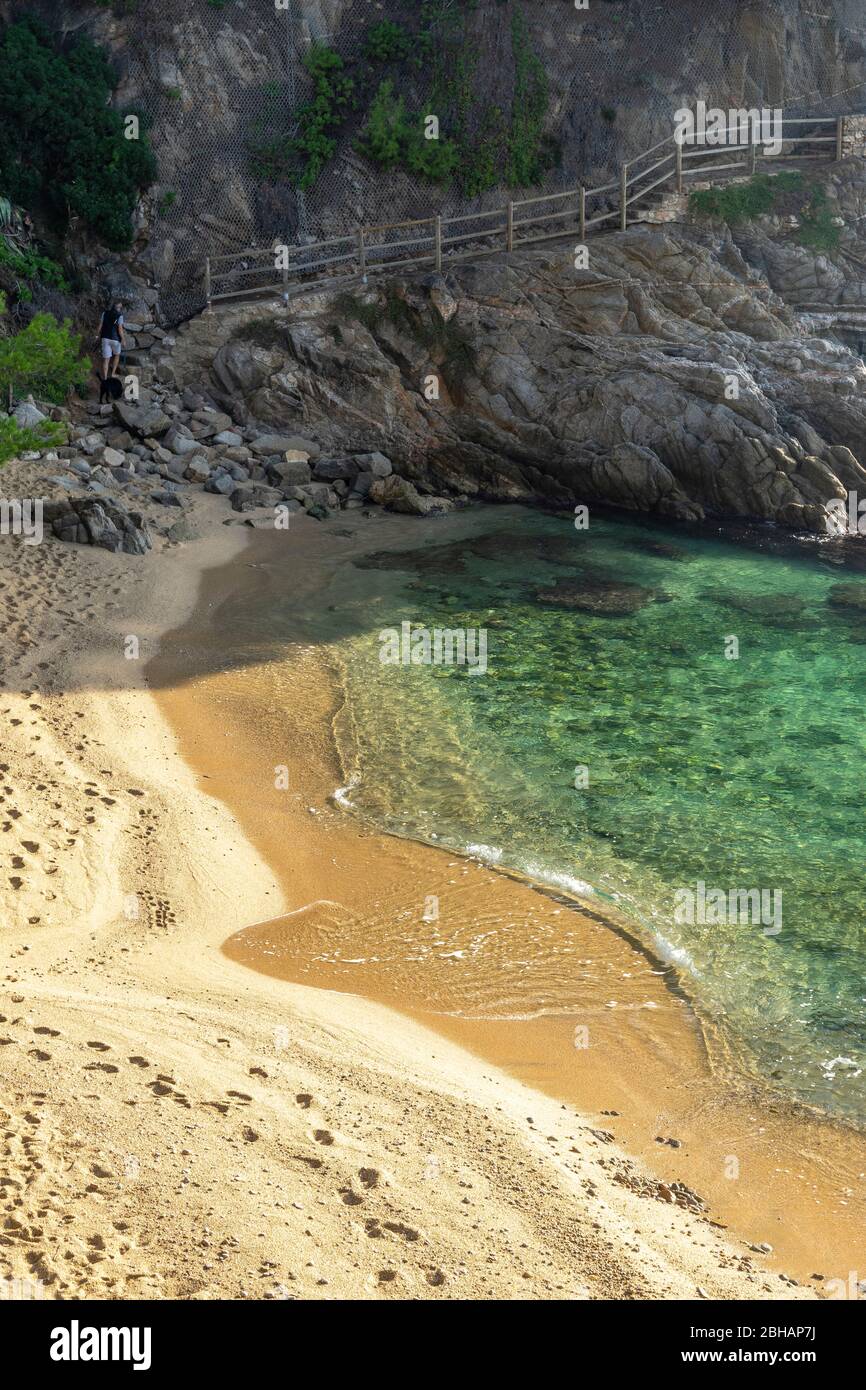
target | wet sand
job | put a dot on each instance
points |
(632, 1056)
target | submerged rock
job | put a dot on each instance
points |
(609, 599)
(780, 608)
(851, 597)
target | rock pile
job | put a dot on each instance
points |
(125, 466)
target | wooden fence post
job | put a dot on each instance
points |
(623, 197)
(509, 227)
(582, 212)
(362, 255)
(207, 283)
(679, 167)
(438, 234)
(840, 137)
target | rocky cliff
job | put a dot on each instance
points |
(672, 377)
(217, 81)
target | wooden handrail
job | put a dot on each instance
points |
(369, 255)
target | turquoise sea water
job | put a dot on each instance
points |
(607, 652)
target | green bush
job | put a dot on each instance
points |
(320, 118)
(384, 135)
(45, 359)
(15, 441)
(386, 41)
(30, 265)
(62, 147)
(392, 137)
(816, 223)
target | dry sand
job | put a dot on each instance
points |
(177, 1125)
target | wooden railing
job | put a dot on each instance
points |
(434, 240)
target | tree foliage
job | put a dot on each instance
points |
(45, 359)
(62, 147)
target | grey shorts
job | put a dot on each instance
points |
(110, 347)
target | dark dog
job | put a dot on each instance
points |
(110, 389)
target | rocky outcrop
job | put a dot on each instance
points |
(670, 378)
(215, 79)
(100, 522)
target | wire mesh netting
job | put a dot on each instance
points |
(227, 90)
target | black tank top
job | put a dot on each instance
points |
(110, 320)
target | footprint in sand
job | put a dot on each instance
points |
(400, 1230)
(99, 1046)
(138, 1061)
(47, 1032)
(100, 1066)
(369, 1177)
(351, 1199)
(304, 1100)
(323, 1136)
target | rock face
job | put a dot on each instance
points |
(615, 72)
(668, 378)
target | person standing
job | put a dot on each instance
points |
(111, 339)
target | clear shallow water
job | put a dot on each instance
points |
(746, 774)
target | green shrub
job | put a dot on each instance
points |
(736, 202)
(320, 118)
(15, 441)
(816, 223)
(392, 137)
(61, 145)
(386, 41)
(45, 359)
(30, 265)
(384, 134)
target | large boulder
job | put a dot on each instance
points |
(375, 463)
(100, 522)
(250, 496)
(290, 472)
(267, 444)
(28, 415)
(143, 418)
(399, 495)
(335, 470)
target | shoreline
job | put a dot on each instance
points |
(795, 1205)
(178, 1126)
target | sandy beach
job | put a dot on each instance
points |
(179, 1123)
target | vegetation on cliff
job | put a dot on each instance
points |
(423, 68)
(785, 193)
(43, 359)
(63, 150)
